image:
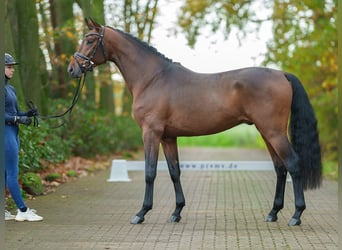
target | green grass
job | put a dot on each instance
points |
(246, 137)
(330, 170)
(241, 136)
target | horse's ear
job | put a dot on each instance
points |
(88, 23)
(91, 23)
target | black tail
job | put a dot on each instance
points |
(304, 135)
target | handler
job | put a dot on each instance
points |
(14, 117)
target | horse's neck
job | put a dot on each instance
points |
(137, 66)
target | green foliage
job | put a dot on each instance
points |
(32, 183)
(39, 144)
(305, 43)
(52, 177)
(203, 15)
(328, 123)
(71, 173)
(10, 204)
(330, 169)
(88, 133)
(93, 133)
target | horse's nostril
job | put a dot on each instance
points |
(70, 69)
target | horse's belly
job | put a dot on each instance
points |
(203, 126)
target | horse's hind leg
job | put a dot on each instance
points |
(171, 155)
(287, 155)
(296, 175)
(281, 172)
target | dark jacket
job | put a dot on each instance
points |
(11, 103)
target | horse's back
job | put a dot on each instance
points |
(245, 88)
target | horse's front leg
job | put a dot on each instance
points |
(151, 148)
(171, 155)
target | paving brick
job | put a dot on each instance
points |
(224, 210)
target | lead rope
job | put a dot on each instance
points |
(77, 95)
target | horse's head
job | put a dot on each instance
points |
(91, 52)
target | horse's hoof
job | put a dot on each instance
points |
(137, 220)
(175, 218)
(271, 218)
(294, 222)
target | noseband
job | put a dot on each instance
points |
(88, 63)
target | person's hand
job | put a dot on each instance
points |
(32, 112)
(24, 120)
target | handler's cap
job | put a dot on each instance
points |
(9, 60)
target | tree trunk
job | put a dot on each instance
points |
(62, 20)
(22, 29)
(104, 82)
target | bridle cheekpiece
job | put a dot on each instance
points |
(88, 64)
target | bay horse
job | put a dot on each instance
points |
(170, 100)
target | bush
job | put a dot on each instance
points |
(32, 183)
(72, 173)
(87, 133)
(38, 145)
(96, 133)
(53, 177)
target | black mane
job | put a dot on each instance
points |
(143, 44)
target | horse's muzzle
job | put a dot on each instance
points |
(74, 70)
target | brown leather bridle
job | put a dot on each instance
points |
(88, 63)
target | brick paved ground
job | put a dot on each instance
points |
(224, 210)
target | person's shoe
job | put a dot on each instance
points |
(29, 215)
(9, 216)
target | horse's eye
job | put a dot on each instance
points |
(91, 41)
